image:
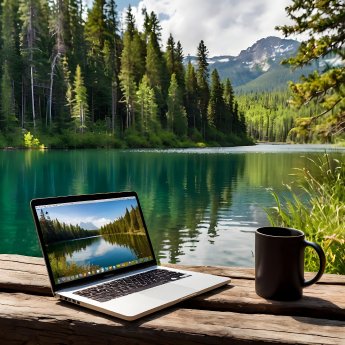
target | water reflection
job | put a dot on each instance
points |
(198, 206)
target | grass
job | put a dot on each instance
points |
(317, 207)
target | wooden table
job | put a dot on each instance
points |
(230, 315)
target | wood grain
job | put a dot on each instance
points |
(43, 320)
(231, 314)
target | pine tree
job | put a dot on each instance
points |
(155, 63)
(216, 106)
(9, 58)
(7, 100)
(132, 67)
(203, 88)
(146, 106)
(95, 35)
(176, 115)
(323, 22)
(80, 105)
(170, 55)
(111, 56)
(76, 51)
(191, 85)
(35, 49)
(228, 96)
(179, 66)
(127, 81)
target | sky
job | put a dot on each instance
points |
(97, 214)
(226, 26)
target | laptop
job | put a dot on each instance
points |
(99, 255)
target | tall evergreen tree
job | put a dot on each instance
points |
(323, 22)
(176, 115)
(179, 66)
(191, 85)
(95, 35)
(8, 59)
(228, 96)
(111, 56)
(155, 63)
(203, 88)
(35, 49)
(216, 106)
(76, 51)
(80, 110)
(146, 107)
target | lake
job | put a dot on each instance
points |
(201, 205)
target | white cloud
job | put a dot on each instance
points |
(226, 26)
(98, 222)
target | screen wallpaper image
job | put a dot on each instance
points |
(87, 238)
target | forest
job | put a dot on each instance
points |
(55, 231)
(270, 118)
(130, 223)
(73, 77)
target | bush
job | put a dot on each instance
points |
(317, 207)
(135, 139)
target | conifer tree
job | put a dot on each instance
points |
(170, 55)
(323, 22)
(146, 106)
(176, 115)
(155, 63)
(228, 96)
(8, 57)
(95, 35)
(179, 66)
(8, 117)
(216, 106)
(76, 50)
(80, 105)
(191, 85)
(203, 88)
(111, 56)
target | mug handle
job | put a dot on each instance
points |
(322, 259)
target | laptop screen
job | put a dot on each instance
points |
(86, 238)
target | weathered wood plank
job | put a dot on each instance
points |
(319, 301)
(43, 320)
(249, 273)
(24, 274)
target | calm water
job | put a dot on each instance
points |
(201, 205)
(101, 250)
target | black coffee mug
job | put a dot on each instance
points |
(279, 263)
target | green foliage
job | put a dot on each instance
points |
(130, 223)
(61, 268)
(63, 68)
(55, 231)
(80, 106)
(31, 142)
(323, 22)
(146, 107)
(317, 207)
(269, 117)
(176, 115)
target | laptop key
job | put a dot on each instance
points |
(125, 286)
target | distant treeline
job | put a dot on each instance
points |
(67, 70)
(54, 231)
(269, 117)
(130, 223)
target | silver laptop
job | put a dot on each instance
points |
(99, 255)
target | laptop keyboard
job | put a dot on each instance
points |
(125, 286)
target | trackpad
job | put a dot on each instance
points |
(168, 292)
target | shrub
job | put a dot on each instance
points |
(317, 207)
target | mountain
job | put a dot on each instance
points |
(88, 226)
(259, 66)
